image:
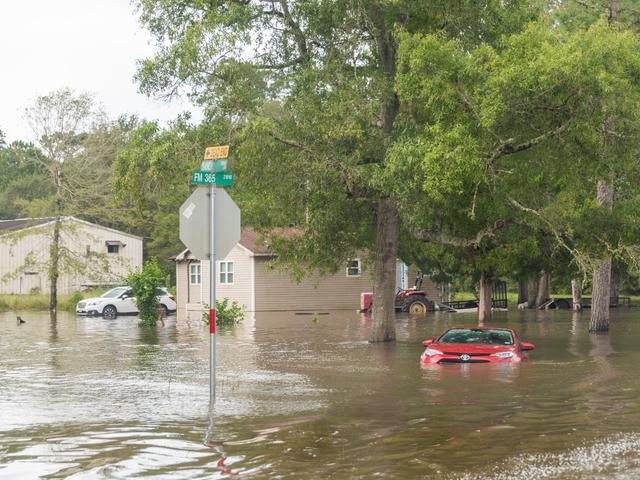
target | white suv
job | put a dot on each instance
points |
(120, 300)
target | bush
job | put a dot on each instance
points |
(144, 284)
(226, 315)
(71, 302)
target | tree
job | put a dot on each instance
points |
(23, 191)
(60, 121)
(313, 83)
(573, 15)
(150, 180)
(498, 136)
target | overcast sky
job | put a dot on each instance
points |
(87, 45)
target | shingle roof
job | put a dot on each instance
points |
(258, 243)
(20, 223)
(254, 241)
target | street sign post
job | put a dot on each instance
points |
(224, 179)
(210, 227)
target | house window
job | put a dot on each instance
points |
(226, 272)
(194, 273)
(113, 246)
(354, 269)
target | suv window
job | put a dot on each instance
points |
(113, 293)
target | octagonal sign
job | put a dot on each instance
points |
(195, 223)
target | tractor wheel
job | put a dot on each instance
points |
(418, 307)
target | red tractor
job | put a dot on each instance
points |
(412, 300)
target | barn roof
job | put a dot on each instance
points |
(20, 223)
(7, 226)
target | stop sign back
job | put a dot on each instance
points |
(195, 223)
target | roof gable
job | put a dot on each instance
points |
(18, 224)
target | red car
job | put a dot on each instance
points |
(475, 345)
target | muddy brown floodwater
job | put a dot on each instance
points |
(91, 398)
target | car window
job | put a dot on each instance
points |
(114, 292)
(477, 335)
(160, 292)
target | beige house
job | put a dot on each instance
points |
(246, 276)
(90, 255)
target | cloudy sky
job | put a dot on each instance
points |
(87, 45)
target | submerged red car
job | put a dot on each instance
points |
(475, 345)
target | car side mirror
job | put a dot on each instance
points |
(427, 342)
(524, 346)
(124, 296)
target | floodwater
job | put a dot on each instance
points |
(297, 398)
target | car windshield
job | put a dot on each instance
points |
(114, 292)
(477, 335)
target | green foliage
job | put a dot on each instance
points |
(150, 180)
(503, 145)
(144, 285)
(41, 301)
(303, 88)
(227, 315)
(70, 303)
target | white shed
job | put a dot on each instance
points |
(90, 255)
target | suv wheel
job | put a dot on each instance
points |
(110, 311)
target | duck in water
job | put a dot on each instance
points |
(19, 321)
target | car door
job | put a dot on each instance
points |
(127, 303)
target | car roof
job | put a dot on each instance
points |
(477, 327)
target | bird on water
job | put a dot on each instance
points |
(19, 321)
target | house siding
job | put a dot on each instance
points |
(277, 291)
(194, 295)
(182, 285)
(16, 247)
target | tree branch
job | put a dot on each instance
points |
(473, 243)
(508, 148)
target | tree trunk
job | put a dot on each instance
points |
(612, 11)
(54, 249)
(543, 288)
(601, 291)
(615, 285)
(532, 291)
(600, 297)
(576, 293)
(486, 287)
(522, 290)
(383, 327)
(388, 221)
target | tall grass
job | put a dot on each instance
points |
(40, 301)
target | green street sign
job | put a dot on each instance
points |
(223, 179)
(213, 165)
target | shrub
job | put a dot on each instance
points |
(144, 284)
(226, 315)
(71, 302)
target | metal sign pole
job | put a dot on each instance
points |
(212, 298)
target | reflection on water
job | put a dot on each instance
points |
(93, 398)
